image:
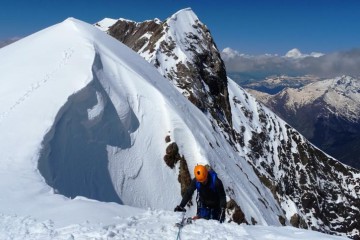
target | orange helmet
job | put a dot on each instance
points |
(200, 173)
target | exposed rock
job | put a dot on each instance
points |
(322, 189)
(184, 175)
(282, 220)
(201, 77)
(172, 155)
(237, 214)
(297, 221)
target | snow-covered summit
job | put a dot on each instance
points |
(182, 49)
(185, 15)
(296, 54)
(106, 23)
(229, 53)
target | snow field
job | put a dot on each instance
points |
(149, 225)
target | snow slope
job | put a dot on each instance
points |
(101, 77)
(140, 96)
(30, 101)
(106, 23)
(157, 224)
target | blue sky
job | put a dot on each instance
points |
(249, 26)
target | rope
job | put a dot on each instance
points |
(180, 226)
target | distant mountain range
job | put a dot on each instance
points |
(272, 84)
(293, 63)
(326, 112)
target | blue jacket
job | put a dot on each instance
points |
(211, 194)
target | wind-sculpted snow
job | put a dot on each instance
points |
(74, 158)
(97, 109)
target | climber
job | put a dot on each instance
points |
(211, 198)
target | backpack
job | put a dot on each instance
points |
(213, 176)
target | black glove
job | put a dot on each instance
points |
(222, 215)
(179, 209)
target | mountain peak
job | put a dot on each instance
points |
(184, 19)
(293, 53)
(186, 12)
(183, 51)
(345, 79)
(347, 86)
(296, 54)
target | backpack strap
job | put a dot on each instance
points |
(198, 184)
(213, 178)
(212, 184)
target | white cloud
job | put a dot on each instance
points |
(296, 54)
(294, 63)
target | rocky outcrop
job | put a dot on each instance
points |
(314, 190)
(183, 50)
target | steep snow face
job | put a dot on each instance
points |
(30, 100)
